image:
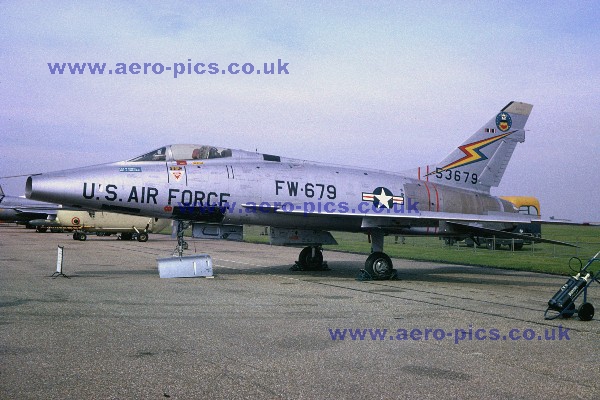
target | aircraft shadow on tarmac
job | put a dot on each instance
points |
(350, 270)
(438, 274)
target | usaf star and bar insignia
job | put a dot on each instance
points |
(383, 197)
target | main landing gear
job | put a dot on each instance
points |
(378, 265)
(311, 259)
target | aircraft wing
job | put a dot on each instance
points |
(23, 209)
(36, 210)
(468, 224)
(406, 218)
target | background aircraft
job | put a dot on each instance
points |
(526, 205)
(219, 190)
(22, 210)
(82, 222)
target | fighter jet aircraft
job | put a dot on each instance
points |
(22, 210)
(218, 190)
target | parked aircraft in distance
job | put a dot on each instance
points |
(22, 210)
(526, 205)
(218, 190)
(83, 222)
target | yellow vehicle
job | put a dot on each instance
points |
(129, 227)
(526, 205)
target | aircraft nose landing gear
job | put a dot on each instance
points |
(179, 228)
(310, 259)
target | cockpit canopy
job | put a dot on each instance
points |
(184, 152)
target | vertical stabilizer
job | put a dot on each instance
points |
(479, 163)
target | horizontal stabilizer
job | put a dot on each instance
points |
(477, 230)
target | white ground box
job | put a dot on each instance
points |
(193, 266)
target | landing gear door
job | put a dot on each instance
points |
(177, 173)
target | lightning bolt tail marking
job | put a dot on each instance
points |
(472, 152)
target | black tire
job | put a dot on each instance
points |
(75, 235)
(126, 236)
(586, 312)
(379, 265)
(306, 259)
(82, 236)
(142, 237)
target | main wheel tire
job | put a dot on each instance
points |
(379, 265)
(306, 259)
(142, 237)
(586, 312)
(75, 235)
(82, 236)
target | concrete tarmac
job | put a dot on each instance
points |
(115, 330)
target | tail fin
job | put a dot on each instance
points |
(481, 160)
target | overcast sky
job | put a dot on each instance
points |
(388, 85)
